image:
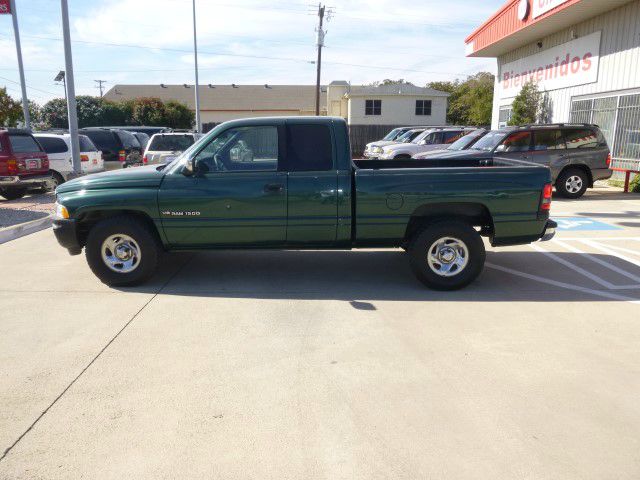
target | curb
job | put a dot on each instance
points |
(11, 233)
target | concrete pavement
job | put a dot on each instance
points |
(327, 365)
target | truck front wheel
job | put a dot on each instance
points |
(447, 255)
(122, 251)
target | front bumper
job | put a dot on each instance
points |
(66, 232)
(26, 181)
(549, 231)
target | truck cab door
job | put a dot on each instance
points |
(230, 199)
(312, 186)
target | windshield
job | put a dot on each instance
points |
(391, 135)
(490, 141)
(409, 136)
(465, 141)
(170, 143)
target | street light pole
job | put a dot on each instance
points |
(23, 85)
(71, 90)
(195, 54)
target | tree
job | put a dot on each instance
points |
(10, 109)
(178, 115)
(527, 105)
(470, 101)
(388, 81)
(148, 111)
(54, 113)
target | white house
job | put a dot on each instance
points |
(393, 105)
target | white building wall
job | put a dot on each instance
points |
(397, 110)
(619, 59)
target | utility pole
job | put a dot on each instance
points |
(23, 85)
(72, 108)
(319, 44)
(99, 86)
(195, 56)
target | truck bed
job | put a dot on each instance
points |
(505, 192)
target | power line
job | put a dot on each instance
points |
(32, 88)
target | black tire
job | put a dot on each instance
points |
(402, 156)
(13, 193)
(572, 183)
(147, 241)
(469, 250)
(57, 180)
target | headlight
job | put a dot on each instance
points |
(61, 212)
(377, 150)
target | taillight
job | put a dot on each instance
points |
(84, 158)
(12, 166)
(145, 160)
(122, 155)
(547, 193)
(608, 160)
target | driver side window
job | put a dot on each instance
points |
(242, 149)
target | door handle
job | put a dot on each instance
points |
(273, 188)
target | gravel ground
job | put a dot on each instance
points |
(31, 207)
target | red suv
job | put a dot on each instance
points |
(23, 163)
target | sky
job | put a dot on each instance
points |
(240, 41)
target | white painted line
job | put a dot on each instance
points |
(604, 263)
(579, 239)
(605, 249)
(627, 250)
(568, 286)
(573, 267)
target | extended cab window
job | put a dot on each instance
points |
(23, 144)
(581, 138)
(516, 142)
(309, 148)
(53, 145)
(548, 140)
(242, 149)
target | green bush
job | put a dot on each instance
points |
(634, 186)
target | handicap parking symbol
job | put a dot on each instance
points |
(583, 224)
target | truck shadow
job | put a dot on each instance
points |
(369, 275)
(11, 216)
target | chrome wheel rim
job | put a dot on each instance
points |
(448, 256)
(573, 184)
(121, 253)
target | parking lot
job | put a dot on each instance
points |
(281, 365)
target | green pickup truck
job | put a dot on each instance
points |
(290, 183)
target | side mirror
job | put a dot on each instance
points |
(200, 166)
(501, 148)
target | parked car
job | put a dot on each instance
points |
(23, 163)
(577, 154)
(463, 143)
(165, 147)
(300, 189)
(116, 145)
(142, 129)
(373, 150)
(58, 148)
(143, 139)
(430, 139)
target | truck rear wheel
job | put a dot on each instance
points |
(122, 251)
(447, 255)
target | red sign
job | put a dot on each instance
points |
(5, 7)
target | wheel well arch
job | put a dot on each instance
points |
(472, 213)
(87, 220)
(578, 166)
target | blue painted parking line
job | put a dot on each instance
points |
(583, 224)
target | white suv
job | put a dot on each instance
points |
(164, 147)
(58, 148)
(431, 139)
